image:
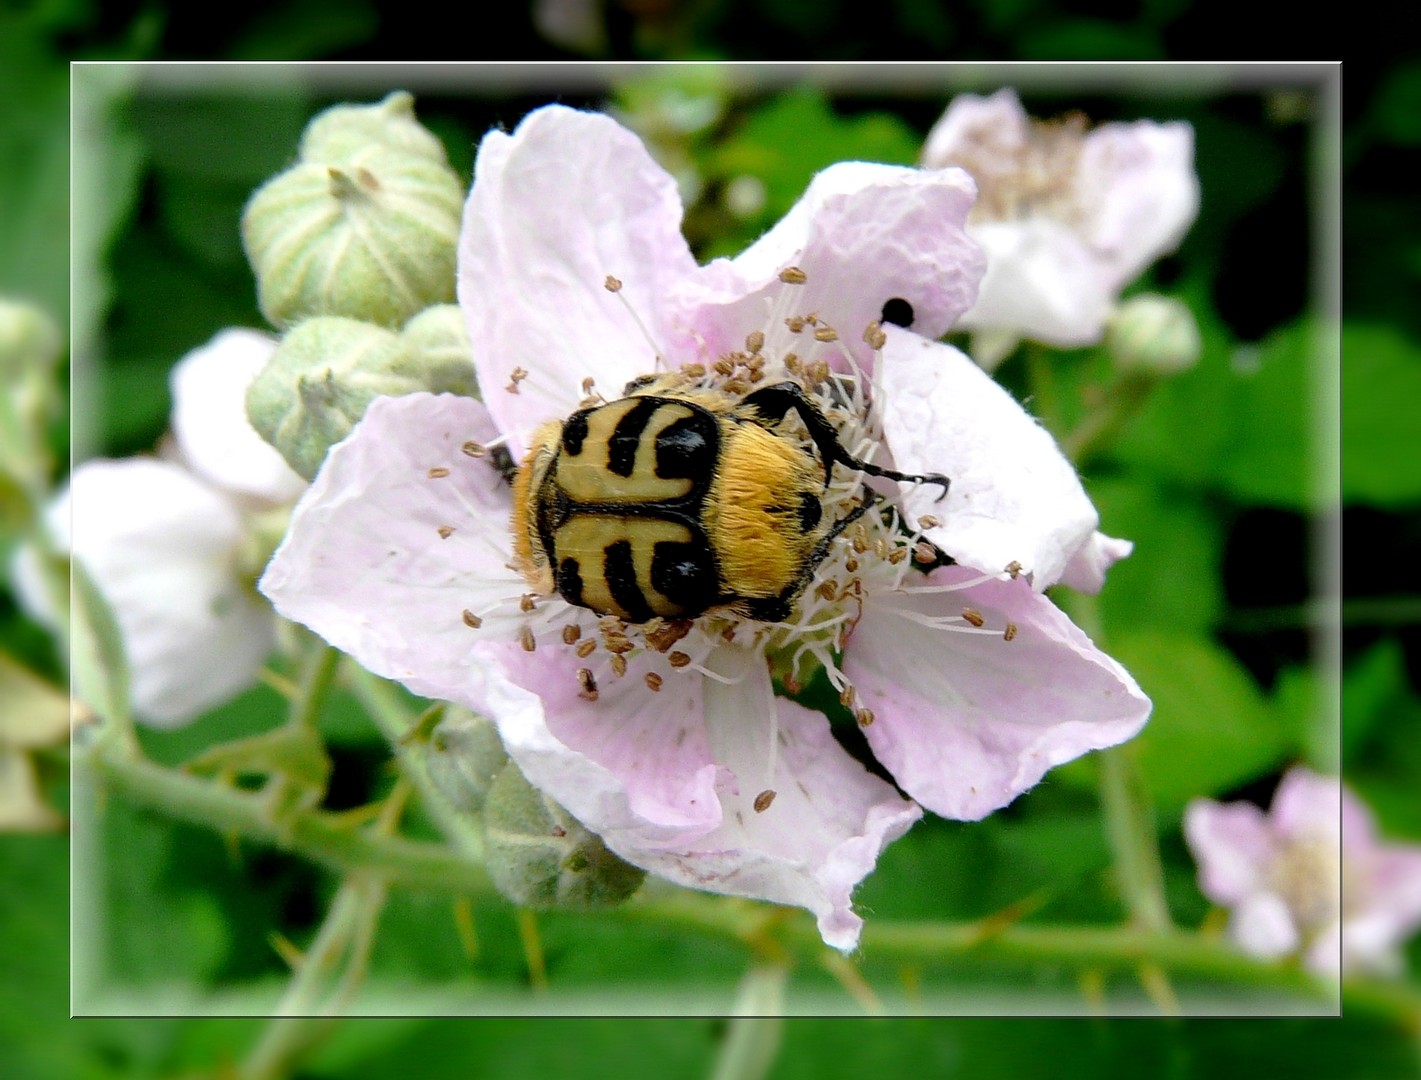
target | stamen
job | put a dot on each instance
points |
(439, 472)
(586, 648)
(653, 681)
(864, 717)
(612, 285)
(588, 682)
(529, 642)
(793, 275)
(1010, 632)
(445, 531)
(619, 665)
(570, 633)
(471, 620)
(973, 616)
(763, 800)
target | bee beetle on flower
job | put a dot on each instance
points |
(731, 479)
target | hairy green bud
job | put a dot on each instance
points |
(327, 370)
(463, 758)
(540, 856)
(364, 225)
(1153, 334)
(344, 132)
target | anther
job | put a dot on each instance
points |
(763, 800)
(1009, 632)
(793, 275)
(526, 638)
(874, 336)
(473, 449)
(927, 521)
(662, 636)
(619, 665)
(724, 366)
(795, 324)
(653, 681)
(754, 341)
(848, 696)
(438, 472)
(570, 633)
(588, 682)
(791, 684)
(678, 659)
(446, 531)
(973, 616)
(1013, 568)
(827, 590)
(693, 371)
(587, 384)
(826, 333)
(528, 601)
(472, 620)
(586, 647)
(924, 552)
(864, 717)
(516, 376)
(612, 284)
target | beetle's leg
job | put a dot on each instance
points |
(772, 403)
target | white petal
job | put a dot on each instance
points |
(967, 721)
(1042, 282)
(976, 124)
(210, 423)
(1139, 180)
(162, 546)
(1014, 496)
(566, 200)
(1086, 570)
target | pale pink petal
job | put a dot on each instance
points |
(1263, 926)
(973, 126)
(1014, 496)
(1307, 804)
(966, 722)
(566, 200)
(162, 547)
(1326, 953)
(1042, 282)
(669, 779)
(364, 563)
(1233, 845)
(863, 234)
(1086, 570)
(633, 765)
(210, 418)
(1386, 887)
(1139, 183)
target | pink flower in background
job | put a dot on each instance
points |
(1309, 877)
(1067, 218)
(669, 741)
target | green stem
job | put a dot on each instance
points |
(317, 675)
(324, 838)
(1129, 824)
(1101, 426)
(302, 1019)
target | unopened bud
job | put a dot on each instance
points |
(1153, 334)
(440, 337)
(540, 856)
(324, 374)
(369, 232)
(464, 755)
(343, 133)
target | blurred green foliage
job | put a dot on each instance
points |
(1219, 480)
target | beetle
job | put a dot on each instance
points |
(670, 502)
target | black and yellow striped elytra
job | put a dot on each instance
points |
(669, 503)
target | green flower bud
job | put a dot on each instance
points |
(29, 340)
(324, 374)
(540, 856)
(372, 238)
(441, 337)
(1153, 334)
(463, 757)
(343, 132)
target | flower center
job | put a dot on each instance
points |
(1307, 874)
(1022, 178)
